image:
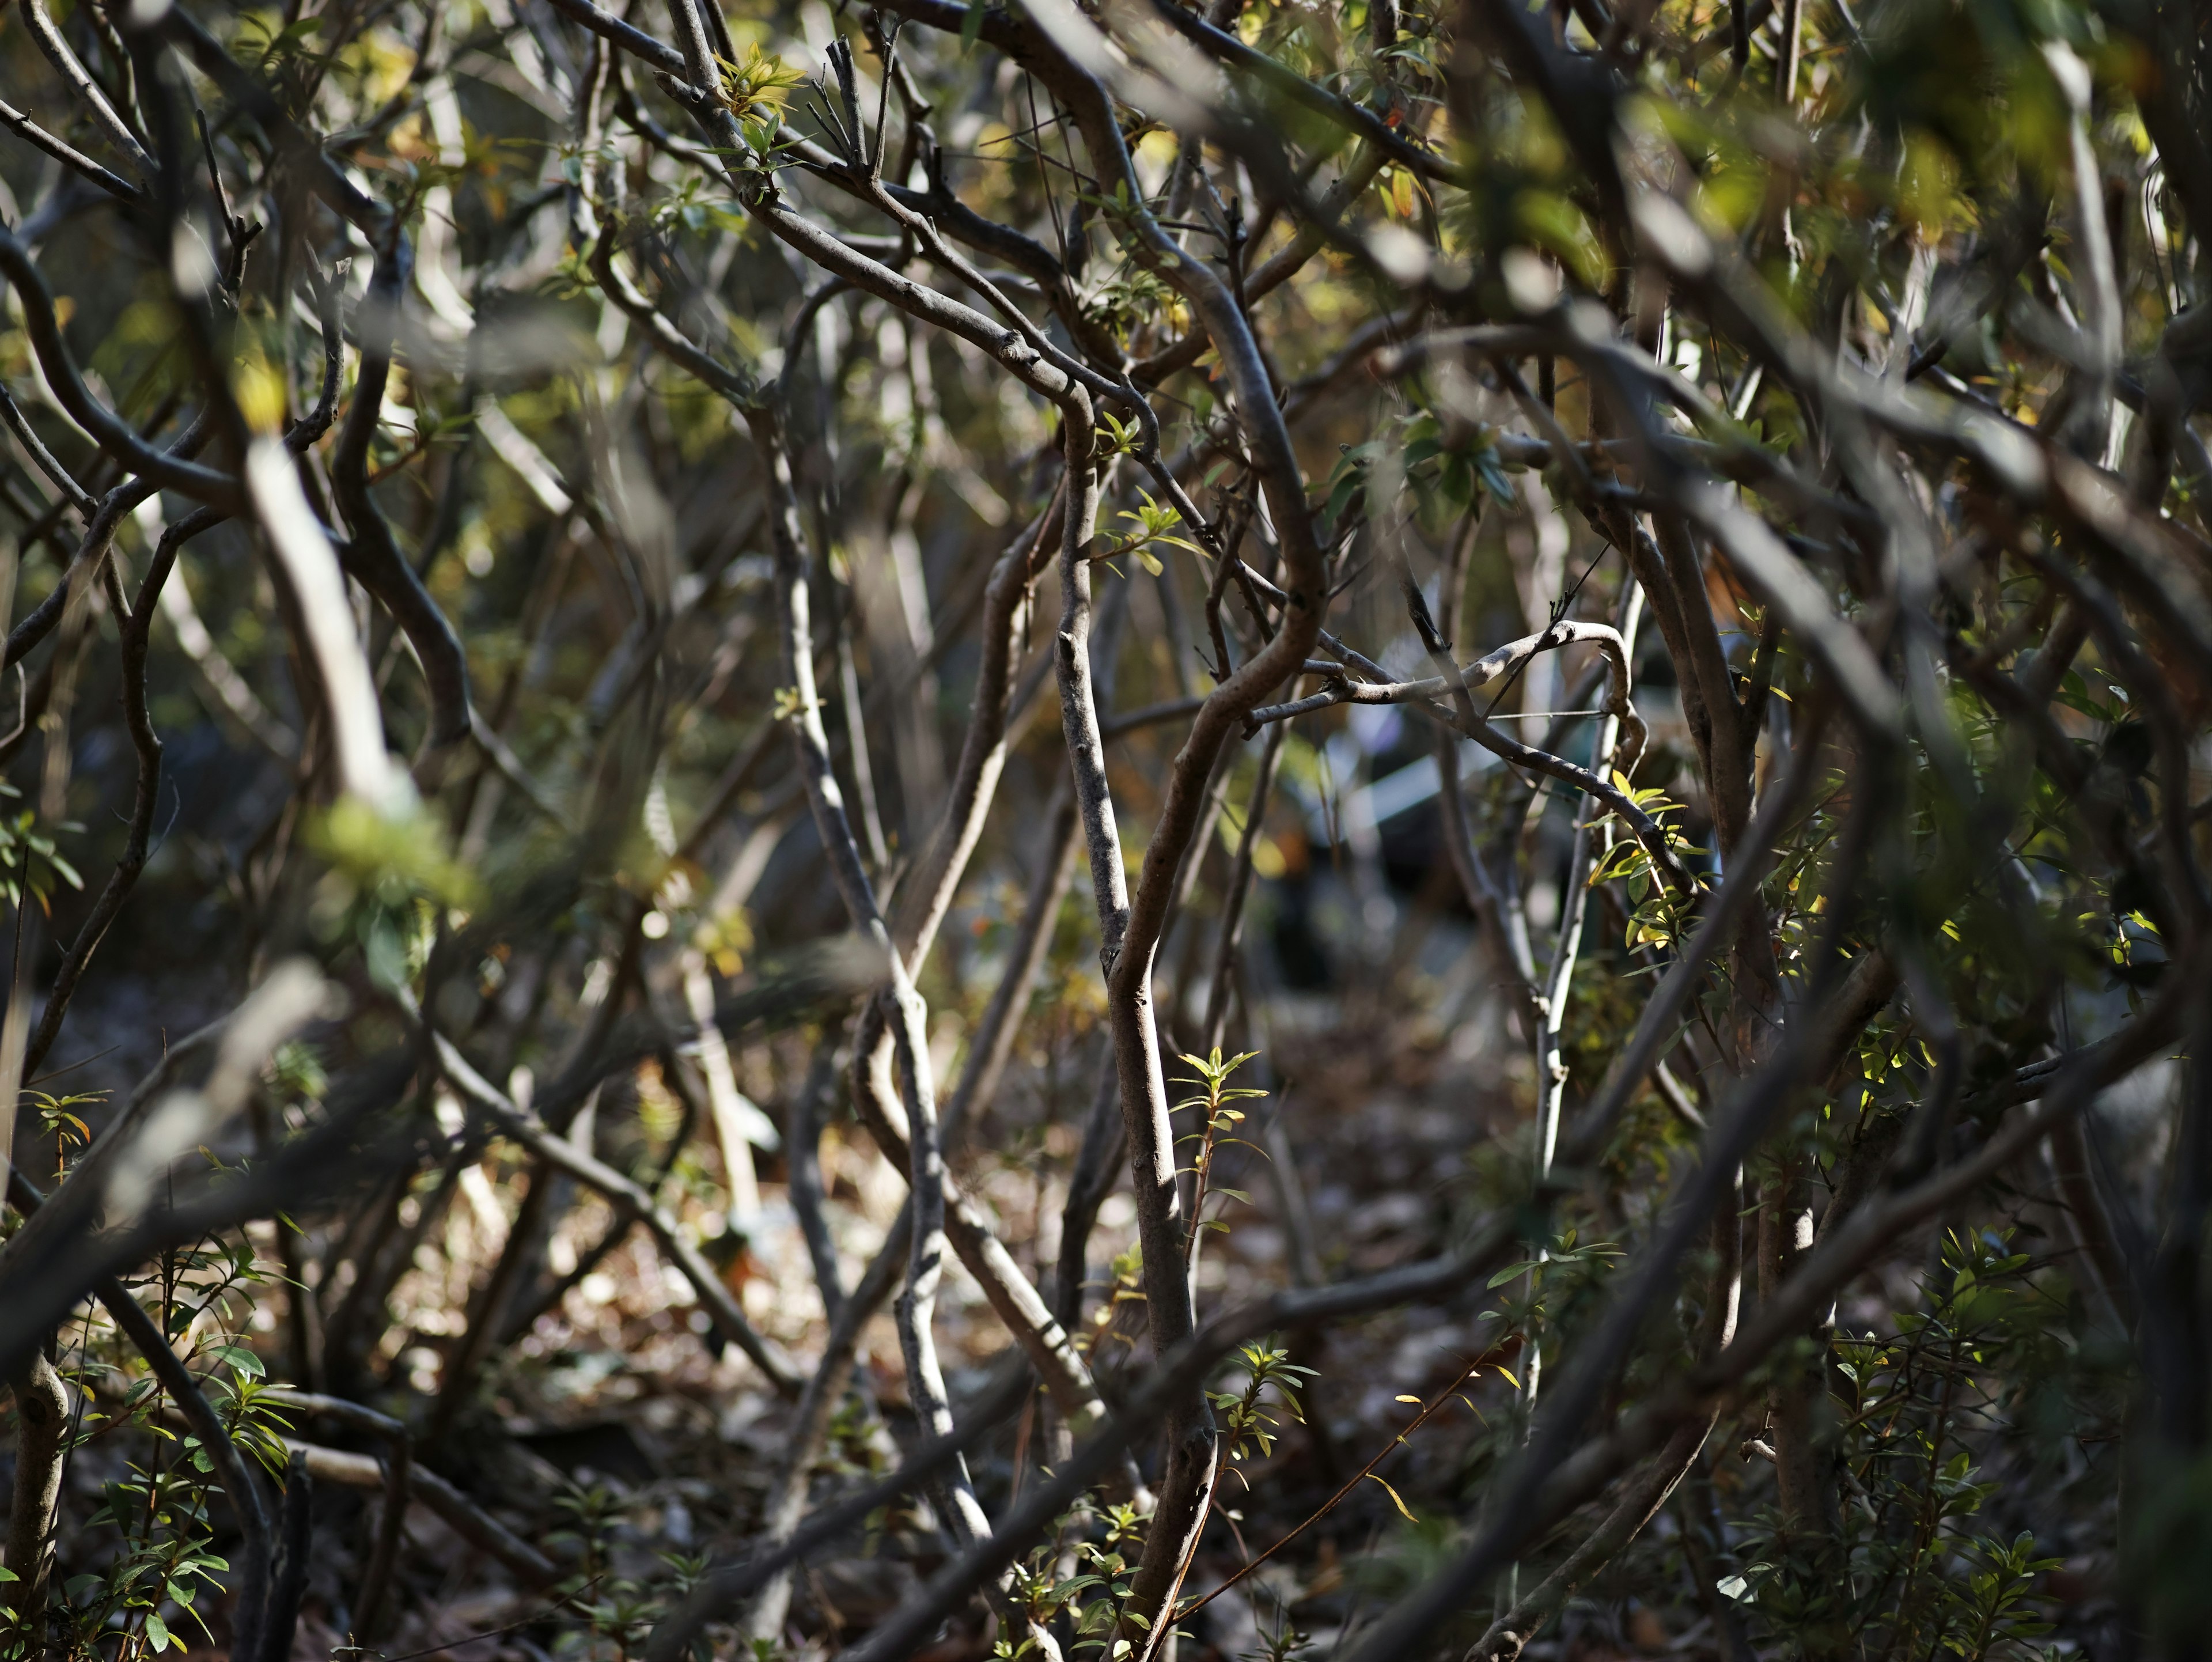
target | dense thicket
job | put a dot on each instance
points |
(1276, 830)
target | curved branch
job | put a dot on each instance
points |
(1647, 831)
(1130, 930)
(1342, 690)
(1565, 1482)
(165, 469)
(785, 1509)
(459, 1514)
(62, 479)
(134, 627)
(927, 893)
(32, 133)
(85, 90)
(239, 1484)
(372, 557)
(907, 1016)
(531, 1132)
(1280, 78)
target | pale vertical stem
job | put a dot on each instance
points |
(964, 1517)
(2096, 271)
(1792, 52)
(1550, 1067)
(310, 568)
(993, 1044)
(802, 1143)
(927, 891)
(1240, 886)
(786, 1505)
(1097, 1162)
(15, 1030)
(856, 745)
(1552, 1008)
(1186, 1487)
(1078, 710)
(723, 1099)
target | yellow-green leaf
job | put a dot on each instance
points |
(1395, 1501)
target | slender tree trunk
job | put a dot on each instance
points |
(42, 1412)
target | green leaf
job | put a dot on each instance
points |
(242, 1359)
(1494, 479)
